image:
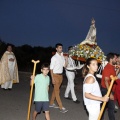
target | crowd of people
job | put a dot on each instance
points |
(93, 93)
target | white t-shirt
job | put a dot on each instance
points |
(94, 89)
(57, 63)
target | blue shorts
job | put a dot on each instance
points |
(44, 106)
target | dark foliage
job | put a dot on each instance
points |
(25, 53)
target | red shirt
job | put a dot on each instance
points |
(107, 72)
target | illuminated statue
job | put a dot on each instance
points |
(91, 36)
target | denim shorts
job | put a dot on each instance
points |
(41, 106)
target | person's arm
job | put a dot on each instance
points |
(106, 82)
(32, 80)
(117, 71)
(93, 97)
(107, 86)
(66, 61)
(52, 65)
(117, 66)
(48, 83)
(89, 81)
(51, 72)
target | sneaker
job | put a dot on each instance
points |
(77, 101)
(63, 110)
(68, 98)
(53, 106)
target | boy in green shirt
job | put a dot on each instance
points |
(41, 99)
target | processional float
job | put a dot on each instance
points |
(88, 48)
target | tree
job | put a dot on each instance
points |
(25, 53)
(2, 48)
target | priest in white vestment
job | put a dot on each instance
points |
(8, 69)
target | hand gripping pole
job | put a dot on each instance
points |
(108, 93)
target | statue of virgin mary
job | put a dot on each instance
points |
(91, 36)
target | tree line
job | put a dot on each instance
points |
(25, 53)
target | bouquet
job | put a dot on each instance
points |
(87, 51)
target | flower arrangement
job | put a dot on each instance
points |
(87, 51)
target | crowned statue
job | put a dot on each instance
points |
(91, 36)
(88, 48)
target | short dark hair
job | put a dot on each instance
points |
(8, 44)
(110, 56)
(58, 44)
(69, 47)
(45, 65)
(116, 54)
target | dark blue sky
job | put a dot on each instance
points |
(46, 22)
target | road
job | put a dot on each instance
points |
(14, 103)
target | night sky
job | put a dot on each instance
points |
(47, 22)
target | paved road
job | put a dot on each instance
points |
(14, 103)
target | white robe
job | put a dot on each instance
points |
(11, 68)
